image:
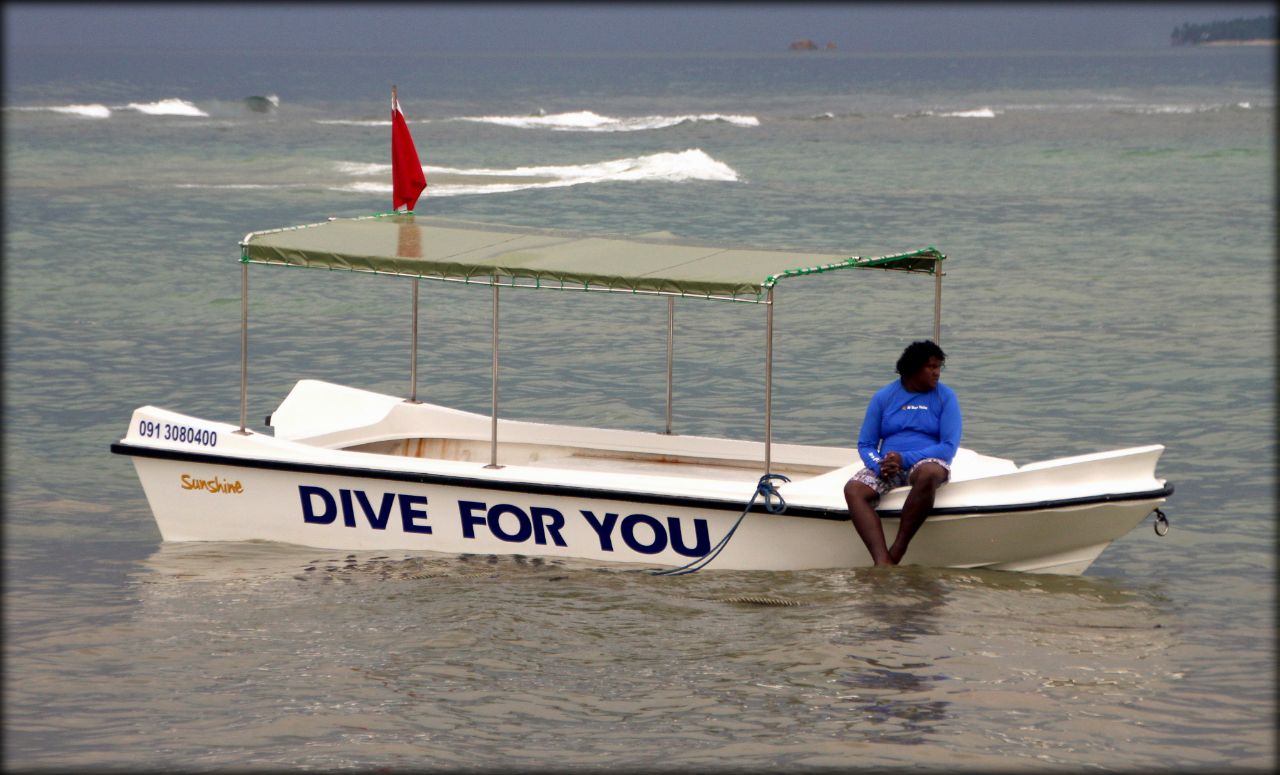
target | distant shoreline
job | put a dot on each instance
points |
(1250, 42)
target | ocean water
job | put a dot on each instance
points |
(1110, 224)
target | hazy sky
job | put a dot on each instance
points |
(550, 27)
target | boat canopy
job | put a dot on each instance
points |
(441, 249)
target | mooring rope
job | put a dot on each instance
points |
(773, 503)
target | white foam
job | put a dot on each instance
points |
(362, 168)
(366, 121)
(1162, 109)
(242, 185)
(94, 110)
(692, 164)
(87, 111)
(1106, 103)
(167, 107)
(587, 121)
(1183, 109)
(975, 113)
(354, 122)
(366, 188)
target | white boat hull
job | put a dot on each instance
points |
(598, 495)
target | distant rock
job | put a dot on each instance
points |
(1260, 30)
(809, 45)
(262, 104)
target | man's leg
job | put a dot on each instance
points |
(866, 521)
(925, 480)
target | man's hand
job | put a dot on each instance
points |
(890, 465)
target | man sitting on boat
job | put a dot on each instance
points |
(909, 436)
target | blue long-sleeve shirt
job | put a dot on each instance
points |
(915, 425)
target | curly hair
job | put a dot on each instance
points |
(917, 355)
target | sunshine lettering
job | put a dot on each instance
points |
(215, 485)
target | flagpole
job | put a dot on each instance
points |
(244, 348)
(413, 350)
(671, 334)
(493, 412)
(413, 353)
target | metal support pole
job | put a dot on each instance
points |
(768, 385)
(671, 328)
(244, 349)
(413, 353)
(493, 431)
(937, 301)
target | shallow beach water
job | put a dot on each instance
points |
(1109, 223)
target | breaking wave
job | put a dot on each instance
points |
(365, 168)
(355, 122)
(232, 186)
(1107, 103)
(692, 164)
(828, 115)
(167, 107)
(83, 111)
(1180, 109)
(587, 121)
(170, 106)
(972, 113)
(975, 113)
(367, 121)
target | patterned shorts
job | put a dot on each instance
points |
(881, 486)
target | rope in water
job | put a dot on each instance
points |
(773, 503)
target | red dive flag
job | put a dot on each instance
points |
(407, 177)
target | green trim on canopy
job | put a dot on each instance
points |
(439, 249)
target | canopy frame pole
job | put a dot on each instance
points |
(937, 301)
(671, 328)
(768, 384)
(493, 423)
(413, 351)
(244, 349)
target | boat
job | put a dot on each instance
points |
(344, 468)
